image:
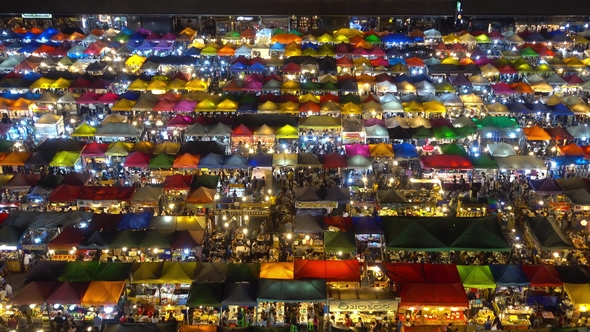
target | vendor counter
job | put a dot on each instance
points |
(439, 328)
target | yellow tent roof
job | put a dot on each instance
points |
(123, 105)
(196, 85)
(227, 105)
(434, 106)
(176, 84)
(381, 150)
(135, 61)
(326, 38)
(166, 148)
(326, 50)
(42, 83)
(309, 97)
(292, 52)
(188, 31)
(348, 32)
(341, 39)
(61, 83)
(119, 149)
(290, 86)
(287, 131)
(289, 107)
(279, 270)
(329, 106)
(113, 118)
(450, 61)
(137, 85)
(143, 147)
(351, 108)
(209, 50)
(451, 38)
(157, 85)
(413, 106)
(206, 105)
(15, 158)
(65, 159)
(84, 130)
(579, 39)
(268, 106)
(177, 272)
(361, 61)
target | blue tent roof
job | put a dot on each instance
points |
(366, 225)
(277, 47)
(114, 44)
(238, 66)
(398, 38)
(130, 95)
(395, 61)
(256, 67)
(569, 160)
(7, 35)
(561, 109)
(135, 220)
(29, 35)
(538, 107)
(193, 51)
(509, 275)
(137, 36)
(260, 160)
(133, 44)
(127, 31)
(48, 33)
(310, 45)
(405, 150)
(234, 161)
(247, 108)
(402, 78)
(31, 76)
(145, 46)
(31, 96)
(211, 160)
(11, 96)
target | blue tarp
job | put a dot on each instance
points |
(509, 275)
(260, 160)
(405, 150)
(135, 220)
(366, 225)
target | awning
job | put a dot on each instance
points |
(211, 272)
(332, 270)
(476, 276)
(335, 242)
(35, 292)
(277, 270)
(411, 273)
(542, 275)
(509, 275)
(449, 295)
(68, 293)
(240, 294)
(548, 234)
(292, 290)
(370, 298)
(206, 295)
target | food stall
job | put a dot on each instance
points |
(308, 234)
(375, 305)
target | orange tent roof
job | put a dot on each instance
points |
(20, 104)
(103, 293)
(201, 196)
(247, 34)
(97, 32)
(279, 270)
(521, 87)
(285, 38)
(76, 36)
(59, 37)
(414, 62)
(36, 31)
(186, 160)
(45, 49)
(15, 159)
(567, 150)
(226, 51)
(536, 133)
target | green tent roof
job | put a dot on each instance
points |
(292, 290)
(157, 239)
(161, 161)
(6, 146)
(295, 32)
(453, 149)
(177, 272)
(232, 35)
(10, 236)
(329, 86)
(483, 162)
(78, 271)
(500, 122)
(445, 132)
(207, 181)
(245, 272)
(373, 39)
(278, 31)
(476, 276)
(444, 234)
(528, 52)
(309, 86)
(206, 295)
(146, 272)
(422, 132)
(339, 241)
(112, 272)
(350, 98)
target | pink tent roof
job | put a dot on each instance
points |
(164, 105)
(252, 86)
(180, 121)
(502, 89)
(153, 36)
(88, 98)
(108, 97)
(169, 37)
(185, 106)
(254, 77)
(375, 122)
(357, 150)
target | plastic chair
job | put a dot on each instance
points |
(310, 327)
(293, 328)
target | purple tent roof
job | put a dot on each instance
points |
(482, 61)
(169, 37)
(180, 121)
(163, 45)
(545, 187)
(460, 80)
(185, 106)
(144, 32)
(145, 46)
(252, 86)
(357, 150)
(478, 54)
(375, 122)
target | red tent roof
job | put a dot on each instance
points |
(241, 130)
(76, 179)
(186, 239)
(35, 292)
(309, 106)
(95, 149)
(329, 97)
(164, 106)
(65, 193)
(446, 162)
(345, 270)
(106, 193)
(178, 182)
(88, 98)
(60, 51)
(68, 238)
(93, 49)
(68, 292)
(344, 62)
(502, 88)
(291, 67)
(108, 97)
(137, 159)
(448, 295)
(334, 160)
(422, 273)
(542, 275)
(344, 223)
(80, 83)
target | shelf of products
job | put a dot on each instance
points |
(431, 316)
(206, 316)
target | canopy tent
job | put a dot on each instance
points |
(243, 272)
(112, 271)
(509, 275)
(103, 293)
(211, 272)
(177, 272)
(451, 295)
(307, 223)
(475, 276)
(35, 292)
(79, 271)
(68, 292)
(46, 271)
(545, 187)
(520, 163)
(241, 294)
(345, 270)
(426, 234)
(548, 234)
(410, 273)
(573, 274)
(205, 295)
(542, 275)
(292, 290)
(339, 242)
(278, 270)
